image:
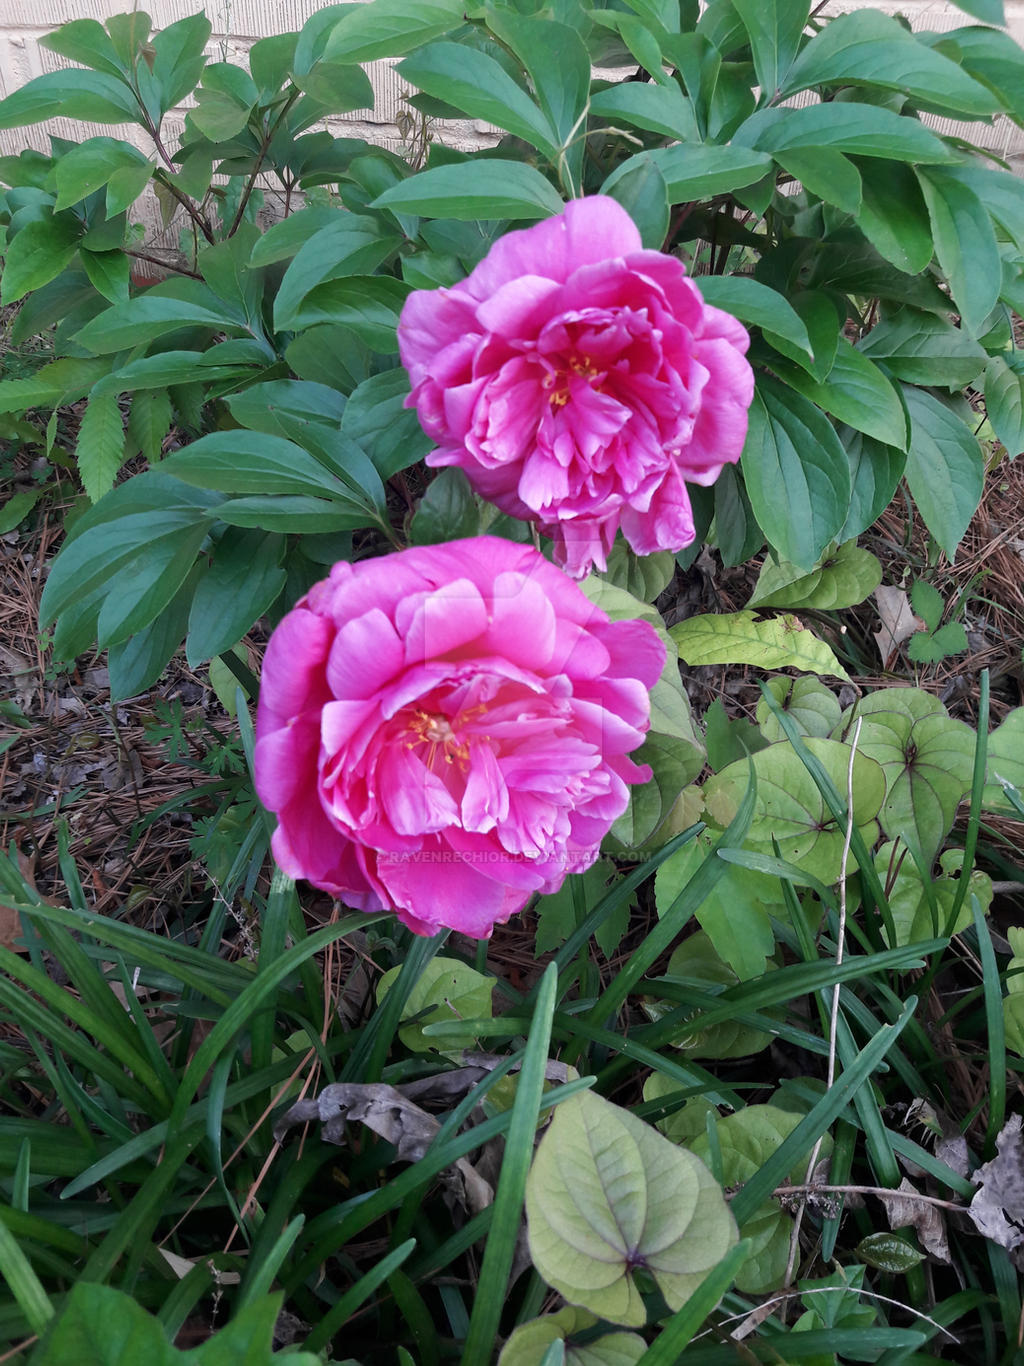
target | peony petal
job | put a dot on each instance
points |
(442, 622)
(366, 653)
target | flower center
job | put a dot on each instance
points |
(439, 735)
(556, 382)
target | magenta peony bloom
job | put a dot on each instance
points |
(579, 380)
(445, 731)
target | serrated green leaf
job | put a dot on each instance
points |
(845, 577)
(739, 638)
(100, 447)
(927, 603)
(149, 422)
(607, 1193)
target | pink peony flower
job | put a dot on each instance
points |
(445, 731)
(579, 380)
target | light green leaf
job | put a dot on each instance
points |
(350, 244)
(529, 1342)
(661, 109)
(224, 101)
(846, 577)
(945, 468)
(606, 1194)
(909, 904)
(37, 255)
(1013, 1001)
(823, 171)
(739, 638)
(179, 55)
(791, 810)
(109, 272)
(796, 473)
(734, 916)
(685, 1123)
(813, 708)
(475, 190)
(88, 166)
(965, 244)
(1004, 400)
(856, 392)
(746, 1140)
(871, 48)
(927, 759)
(446, 989)
(100, 447)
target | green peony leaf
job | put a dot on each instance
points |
(1004, 401)
(927, 759)
(739, 638)
(608, 1195)
(530, 1341)
(846, 577)
(791, 810)
(812, 707)
(447, 989)
(945, 469)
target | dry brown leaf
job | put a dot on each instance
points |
(897, 620)
(924, 1218)
(998, 1206)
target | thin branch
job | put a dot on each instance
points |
(164, 265)
(814, 1188)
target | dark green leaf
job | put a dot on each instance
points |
(923, 349)
(448, 511)
(337, 87)
(377, 420)
(37, 255)
(557, 63)
(695, 171)
(484, 189)
(893, 216)
(476, 84)
(279, 404)
(251, 462)
(1004, 400)
(797, 474)
(389, 28)
(85, 41)
(301, 514)
(179, 55)
(110, 273)
(965, 245)
(368, 304)
(736, 530)
(142, 320)
(74, 94)
(875, 471)
(243, 579)
(774, 28)
(817, 311)
(136, 663)
(871, 48)
(643, 194)
(758, 305)
(858, 129)
(945, 469)
(351, 244)
(857, 393)
(149, 423)
(662, 109)
(823, 171)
